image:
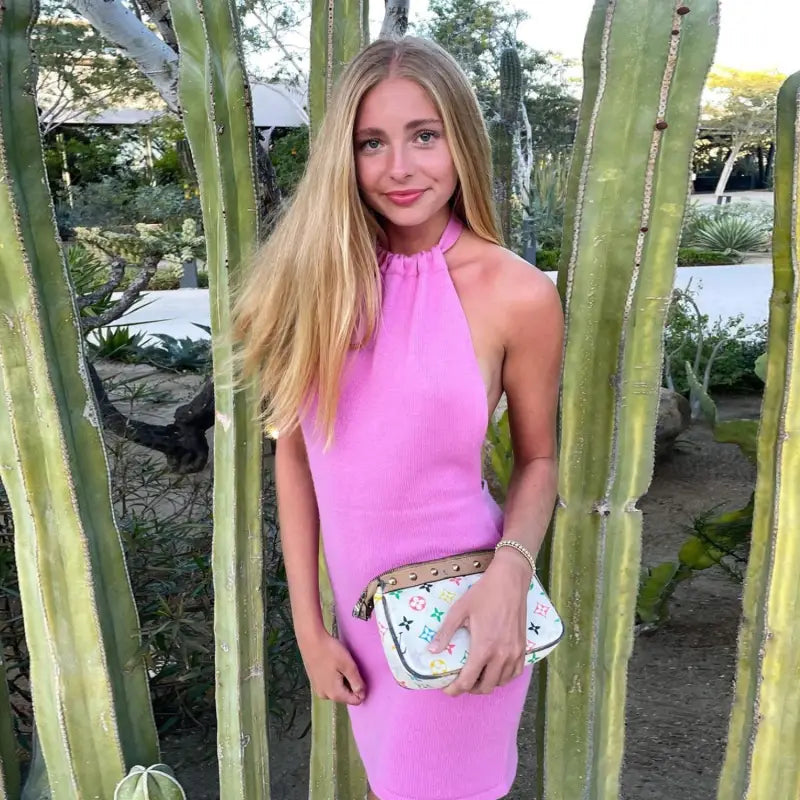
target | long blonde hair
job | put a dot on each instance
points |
(314, 292)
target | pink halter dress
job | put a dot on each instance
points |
(402, 483)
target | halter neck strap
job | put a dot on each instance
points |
(451, 233)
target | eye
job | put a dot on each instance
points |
(370, 144)
(427, 137)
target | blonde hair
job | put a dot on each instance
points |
(315, 292)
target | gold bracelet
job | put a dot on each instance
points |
(519, 548)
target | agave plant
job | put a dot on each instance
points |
(729, 234)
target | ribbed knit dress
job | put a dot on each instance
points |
(402, 483)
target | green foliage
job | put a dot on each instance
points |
(501, 454)
(693, 257)
(729, 234)
(116, 203)
(475, 32)
(118, 344)
(732, 346)
(65, 44)
(547, 260)
(743, 102)
(721, 541)
(548, 196)
(289, 154)
(698, 215)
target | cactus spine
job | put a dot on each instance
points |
(339, 29)
(504, 130)
(630, 175)
(151, 783)
(215, 101)
(764, 735)
(89, 684)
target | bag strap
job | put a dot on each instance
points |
(408, 575)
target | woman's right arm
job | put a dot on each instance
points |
(331, 670)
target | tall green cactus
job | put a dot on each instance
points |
(504, 130)
(339, 29)
(215, 102)
(764, 737)
(645, 62)
(88, 678)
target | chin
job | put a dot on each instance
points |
(410, 216)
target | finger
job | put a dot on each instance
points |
(355, 682)
(512, 670)
(453, 620)
(341, 693)
(489, 678)
(468, 676)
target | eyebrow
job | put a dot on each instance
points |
(414, 123)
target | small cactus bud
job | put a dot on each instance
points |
(661, 125)
(684, 10)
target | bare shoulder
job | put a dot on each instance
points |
(527, 299)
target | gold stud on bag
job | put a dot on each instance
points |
(409, 610)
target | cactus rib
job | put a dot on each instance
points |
(621, 245)
(764, 734)
(221, 137)
(89, 684)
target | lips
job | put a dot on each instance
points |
(405, 198)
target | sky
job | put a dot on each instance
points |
(754, 34)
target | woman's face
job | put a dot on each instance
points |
(403, 162)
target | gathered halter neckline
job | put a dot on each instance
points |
(424, 260)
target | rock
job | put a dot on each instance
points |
(674, 417)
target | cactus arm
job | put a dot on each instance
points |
(338, 31)
(88, 678)
(215, 102)
(764, 735)
(630, 192)
(503, 134)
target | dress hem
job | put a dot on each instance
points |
(500, 791)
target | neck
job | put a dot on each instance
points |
(407, 240)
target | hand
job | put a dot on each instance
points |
(331, 670)
(495, 612)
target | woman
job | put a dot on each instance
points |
(384, 322)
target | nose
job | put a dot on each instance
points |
(402, 163)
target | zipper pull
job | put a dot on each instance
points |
(363, 608)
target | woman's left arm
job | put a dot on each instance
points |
(494, 610)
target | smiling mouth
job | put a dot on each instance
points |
(406, 197)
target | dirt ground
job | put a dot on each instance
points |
(680, 677)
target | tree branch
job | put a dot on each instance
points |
(158, 12)
(183, 442)
(154, 58)
(395, 19)
(129, 296)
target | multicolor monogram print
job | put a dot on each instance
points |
(408, 619)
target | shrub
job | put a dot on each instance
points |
(114, 203)
(691, 257)
(729, 234)
(548, 259)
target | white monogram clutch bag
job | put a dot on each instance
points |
(410, 603)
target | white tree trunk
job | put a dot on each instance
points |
(395, 19)
(154, 58)
(525, 156)
(738, 141)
